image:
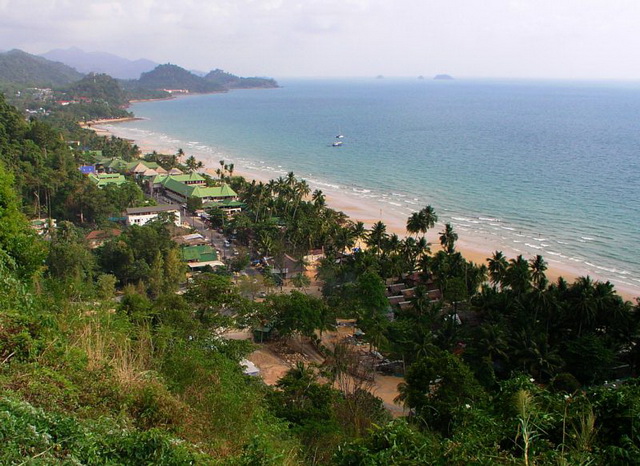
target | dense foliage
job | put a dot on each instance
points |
(23, 68)
(112, 356)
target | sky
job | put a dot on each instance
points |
(565, 39)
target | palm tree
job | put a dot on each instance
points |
(422, 221)
(414, 223)
(497, 268)
(448, 239)
(538, 267)
(518, 275)
(376, 236)
(319, 199)
(429, 218)
(359, 231)
(193, 164)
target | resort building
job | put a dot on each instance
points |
(104, 179)
(199, 257)
(142, 215)
(179, 188)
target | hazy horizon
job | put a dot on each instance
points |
(501, 39)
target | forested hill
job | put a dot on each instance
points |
(170, 76)
(231, 81)
(20, 70)
(19, 67)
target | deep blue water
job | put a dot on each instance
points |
(532, 167)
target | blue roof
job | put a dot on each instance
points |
(86, 169)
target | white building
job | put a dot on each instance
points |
(142, 215)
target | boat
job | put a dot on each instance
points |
(337, 144)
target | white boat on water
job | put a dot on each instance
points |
(337, 144)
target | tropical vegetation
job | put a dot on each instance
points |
(114, 355)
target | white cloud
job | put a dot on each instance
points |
(519, 38)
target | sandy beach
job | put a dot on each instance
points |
(366, 210)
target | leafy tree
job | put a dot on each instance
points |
(209, 294)
(106, 286)
(589, 359)
(69, 260)
(156, 278)
(194, 203)
(394, 443)
(436, 386)
(20, 250)
(297, 313)
(174, 270)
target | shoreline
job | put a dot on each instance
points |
(477, 250)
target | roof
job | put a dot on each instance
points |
(102, 234)
(175, 171)
(138, 167)
(201, 253)
(186, 177)
(174, 184)
(153, 209)
(103, 179)
(150, 172)
(86, 169)
(213, 191)
(230, 203)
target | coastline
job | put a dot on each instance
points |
(477, 250)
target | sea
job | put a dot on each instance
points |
(526, 167)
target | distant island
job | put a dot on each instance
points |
(443, 77)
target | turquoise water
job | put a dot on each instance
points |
(532, 167)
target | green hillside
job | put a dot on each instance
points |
(231, 81)
(173, 77)
(20, 67)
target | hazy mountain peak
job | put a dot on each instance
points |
(101, 62)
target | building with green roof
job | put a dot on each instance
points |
(104, 179)
(182, 187)
(198, 257)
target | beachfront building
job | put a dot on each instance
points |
(142, 215)
(179, 188)
(137, 168)
(104, 179)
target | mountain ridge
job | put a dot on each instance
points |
(101, 62)
(17, 66)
